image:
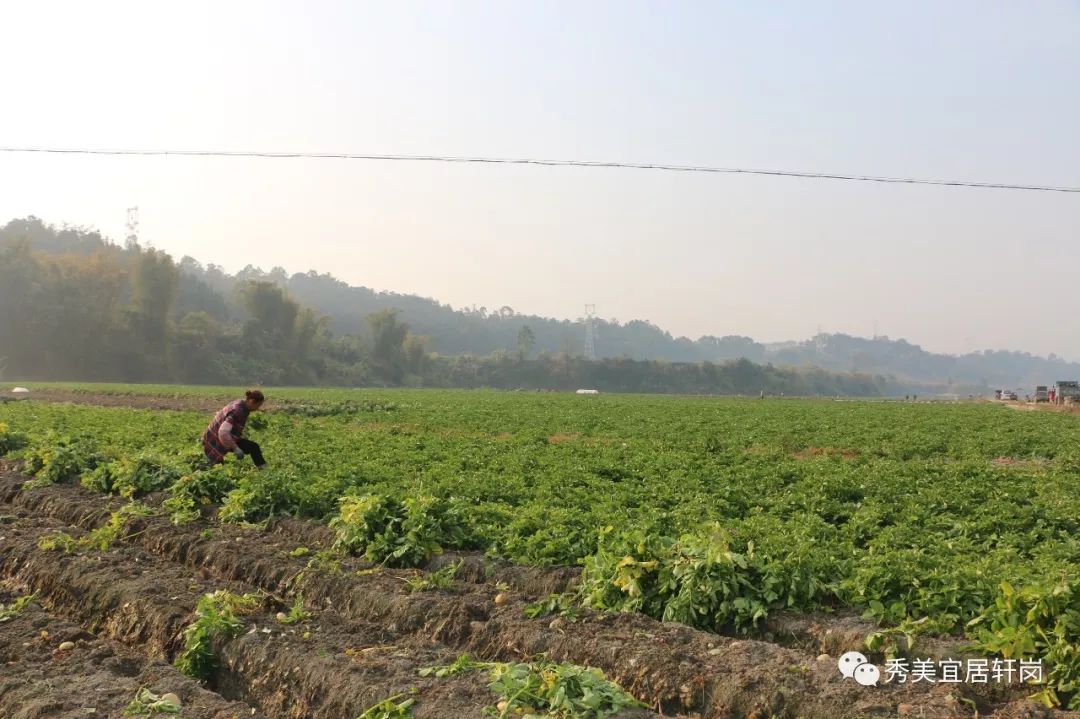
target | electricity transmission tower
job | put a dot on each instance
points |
(590, 332)
(132, 225)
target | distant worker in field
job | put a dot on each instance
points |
(225, 433)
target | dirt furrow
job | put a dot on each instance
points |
(177, 402)
(318, 669)
(667, 665)
(92, 677)
(474, 568)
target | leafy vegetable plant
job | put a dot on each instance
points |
(217, 616)
(398, 533)
(390, 708)
(146, 704)
(10, 611)
(544, 689)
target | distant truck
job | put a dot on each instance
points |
(1066, 391)
(1042, 394)
(1006, 394)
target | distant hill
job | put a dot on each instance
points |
(484, 331)
(975, 371)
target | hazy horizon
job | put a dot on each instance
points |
(492, 309)
(970, 90)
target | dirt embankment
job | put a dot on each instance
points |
(94, 677)
(370, 633)
(135, 401)
(1072, 408)
(316, 669)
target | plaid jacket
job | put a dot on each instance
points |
(235, 413)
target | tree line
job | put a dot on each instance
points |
(481, 331)
(76, 306)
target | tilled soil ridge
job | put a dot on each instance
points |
(669, 666)
(95, 677)
(310, 670)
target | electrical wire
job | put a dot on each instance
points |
(549, 163)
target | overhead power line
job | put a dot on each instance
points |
(549, 163)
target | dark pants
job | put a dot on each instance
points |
(251, 449)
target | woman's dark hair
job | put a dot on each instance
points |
(255, 395)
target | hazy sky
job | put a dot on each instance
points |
(960, 89)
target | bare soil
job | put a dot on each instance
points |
(1072, 408)
(312, 669)
(370, 634)
(135, 401)
(97, 677)
(811, 452)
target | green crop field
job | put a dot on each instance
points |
(928, 518)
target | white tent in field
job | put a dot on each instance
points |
(588, 391)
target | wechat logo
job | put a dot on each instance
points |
(854, 665)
